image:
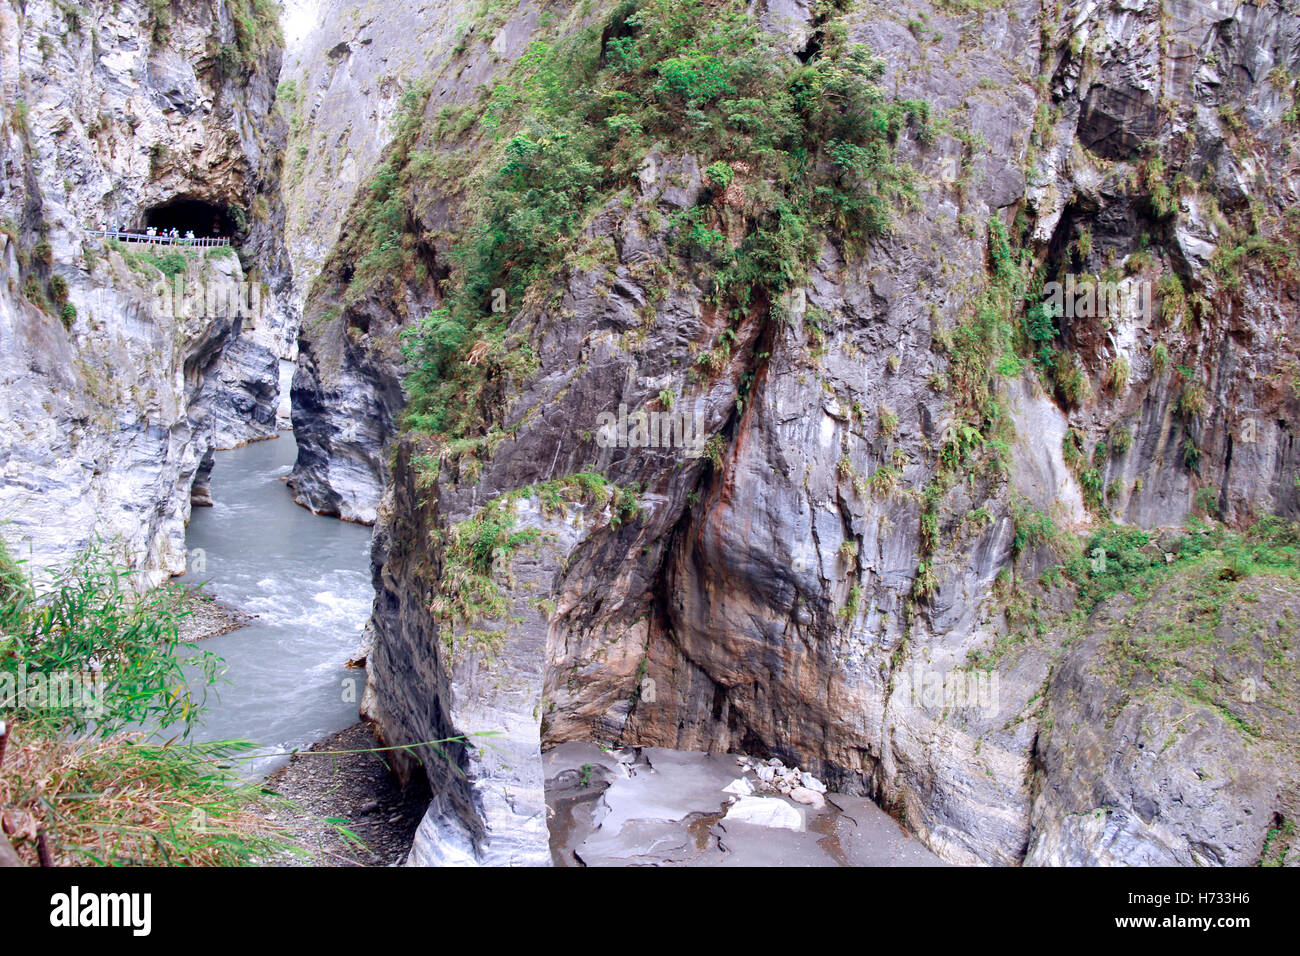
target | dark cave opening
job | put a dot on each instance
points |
(206, 220)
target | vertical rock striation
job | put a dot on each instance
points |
(394, 69)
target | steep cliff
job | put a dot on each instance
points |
(925, 330)
(384, 75)
(125, 365)
(346, 67)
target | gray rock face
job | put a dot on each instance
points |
(112, 404)
(345, 405)
(786, 601)
(346, 66)
(347, 390)
(491, 805)
(1189, 763)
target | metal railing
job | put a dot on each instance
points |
(159, 240)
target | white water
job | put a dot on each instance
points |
(307, 579)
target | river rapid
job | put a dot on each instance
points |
(306, 579)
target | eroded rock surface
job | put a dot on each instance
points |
(437, 59)
(797, 592)
(1168, 738)
(111, 405)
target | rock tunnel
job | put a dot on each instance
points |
(207, 220)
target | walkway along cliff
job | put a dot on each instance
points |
(135, 115)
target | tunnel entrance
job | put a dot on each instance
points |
(206, 220)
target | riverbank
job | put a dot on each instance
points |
(336, 779)
(204, 616)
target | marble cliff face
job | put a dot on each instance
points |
(113, 403)
(768, 594)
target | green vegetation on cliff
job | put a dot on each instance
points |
(481, 548)
(802, 150)
(1122, 559)
(1199, 567)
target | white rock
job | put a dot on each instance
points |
(812, 783)
(808, 797)
(765, 812)
(739, 786)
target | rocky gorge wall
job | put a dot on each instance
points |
(114, 112)
(859, 525)
(346, 66)
(365, 70)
